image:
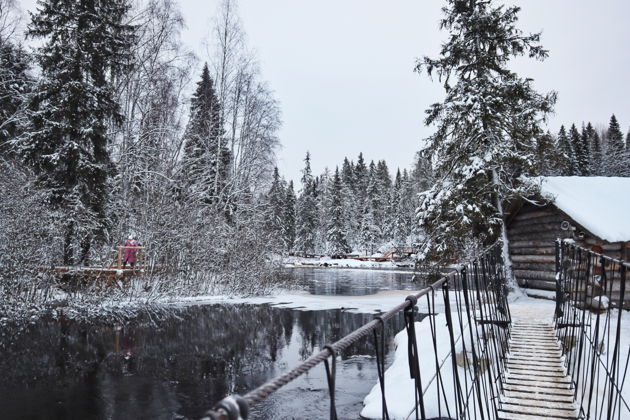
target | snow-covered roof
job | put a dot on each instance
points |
(599, 204)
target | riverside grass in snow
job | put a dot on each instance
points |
(153, 293)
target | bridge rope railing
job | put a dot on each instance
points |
(589, 319)
(464, 383)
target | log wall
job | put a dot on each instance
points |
(532, 232)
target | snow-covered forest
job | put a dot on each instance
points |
(111, 127)
(357, 208)
(587, 151)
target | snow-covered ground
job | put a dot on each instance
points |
(399, 387)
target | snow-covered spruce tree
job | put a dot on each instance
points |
(396, 227)
(383, 176)
(595, 150)
(581, 150)
(352, 207)
(615, 161)
(206, 161)
(347, 172)
(547, 157)
(288, 218)
(486, 127)
(306, 224)
(15, 84)
(84, 47)
(383, 190)
(371, 229)
(422, 174)
(336, 234)
(275, 203)
(585, 152)
(409, 203)
(567, 165)
(361, 180)
(321, 199)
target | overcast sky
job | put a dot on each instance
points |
(343, 69)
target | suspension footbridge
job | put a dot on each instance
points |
(472, 353)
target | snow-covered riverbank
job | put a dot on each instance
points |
(378, 302)
(326, 261)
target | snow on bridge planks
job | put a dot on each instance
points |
(536, 384)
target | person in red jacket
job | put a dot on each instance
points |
(130, 254)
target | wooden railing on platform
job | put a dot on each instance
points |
(118, 261)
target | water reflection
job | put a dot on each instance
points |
(176, 368)
(337, 281)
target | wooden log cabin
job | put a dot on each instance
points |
(593, 211)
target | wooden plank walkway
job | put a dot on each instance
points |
(536, 384)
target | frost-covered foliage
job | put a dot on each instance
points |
(113, 147)
(192, 192)
(486, 128)
(29, 240)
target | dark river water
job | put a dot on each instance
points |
(176, 368)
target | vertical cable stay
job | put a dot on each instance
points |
(412, 355)
(331, 375)
(379, 346)
(590, 299)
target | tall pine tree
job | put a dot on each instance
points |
(547, 155)
(568, 163)
(486, 126)
(85, 45)
(615, 158)
(595, 161)
(396, 225)
(580, 150)
(336, 233)
(288, 218)
(275, 205)
(307, 214)
(206, 160)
